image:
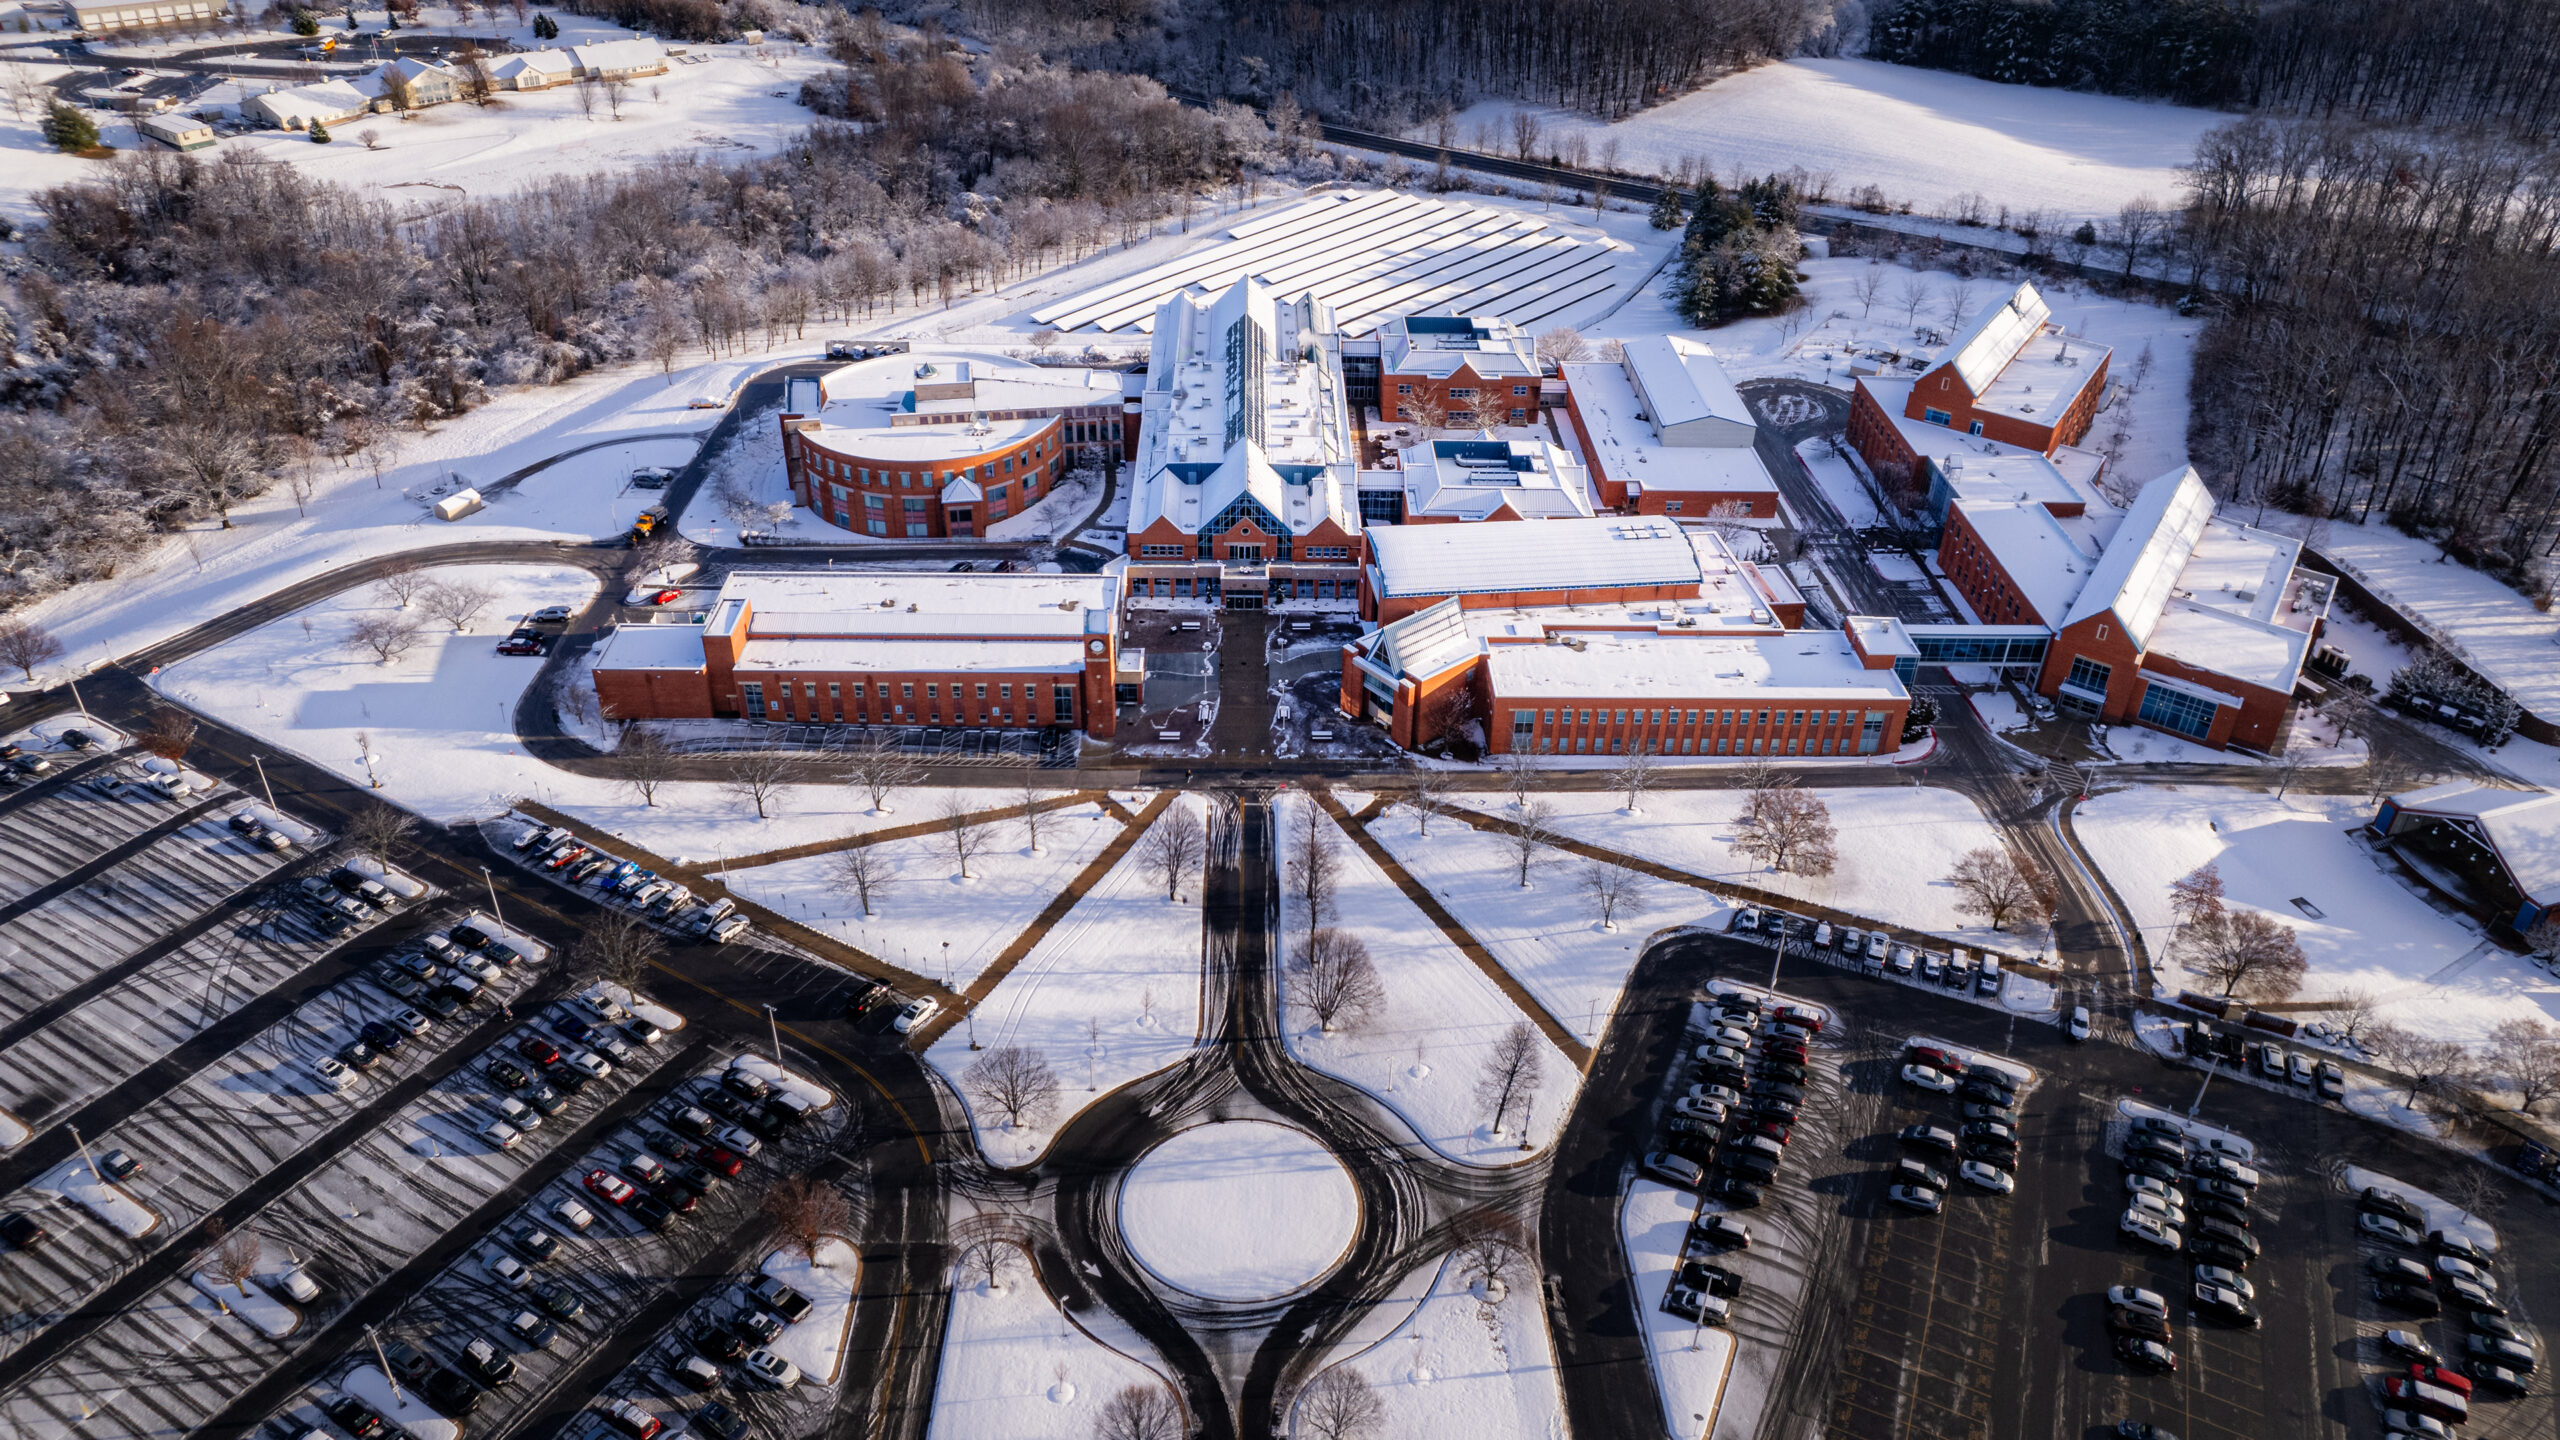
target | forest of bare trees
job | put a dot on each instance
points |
(187, 330)
(2385, 331)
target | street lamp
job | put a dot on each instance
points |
(494, 912)
(774, 1027)
(266, 785)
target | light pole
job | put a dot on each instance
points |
(1780, 957)
(75, 697)
(774, 1027)
(494, 912)
(94, 1173)
(385, 1361)
(267, 786)
(946, 965)
(2200, 1089)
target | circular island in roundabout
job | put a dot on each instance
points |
(1239, 1211)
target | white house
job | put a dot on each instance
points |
(533, 69)
(620, 59)
(183, 132)
(425, 83)
(327, 103)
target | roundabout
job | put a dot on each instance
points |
(1239, 1211)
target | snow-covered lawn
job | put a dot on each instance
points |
(815, 1341)
(1548, 937)
(1463, 1368)
(1842, 483)
(1690, 1362)
(2477, 616)
(1013, 1367)
(1922, 135)
(2430, 971)
(1111, 993)
(438, 722)
(1242, 1210)
(1897, 845)
(1421, 1053)
(926, 904)
(702, 823)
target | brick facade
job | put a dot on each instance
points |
(1470, 401)
(1969, 564)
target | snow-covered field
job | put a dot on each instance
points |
(1897, 845)
(2477, 616)
(1421, 1054)
(1690, 1362)
(1922, 135)
(1548, 937)
(815, 1341)
(1012, 1366)
(926, 904)
(1464, 1368)
(1111, 993)
(1239, 1210)
(2429, 971)
(437, 722)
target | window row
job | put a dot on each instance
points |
(896, 702)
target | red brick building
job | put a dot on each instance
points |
(1475, 373)
(842, 647)
(2012, 378)
(1666, 433)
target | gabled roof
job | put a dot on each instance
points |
(2141, 566)
(1682, 381)
(1244, 398)
(537, 62)
(1426, 642)
(2523, 826)
(1998, 332)
(619, 54)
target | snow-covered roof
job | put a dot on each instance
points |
(1627, 448)
(651, 647)
(1946, 446)
(1682, 382)
(323, 101)
(890, 655)
(1437, 345)
(2033, 547)
(544, 63)
(2043, 378)
(1244, 409)
(1532, 556)
(1426, 642)
(1806, 664)
(2264, 655)
(1472, 479)
(1998, 331)
(918, 605)
(635, 54)
(2011, 472)
(948, 406)
(2522, 825)
(2140, 569)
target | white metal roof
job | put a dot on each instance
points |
(2134, 578)
(1531, 556)
(1998, 332)
(631, 54)
(1807, 665)
(1628, 449)
(1683, 382)
(1471, 479)
(651, 647)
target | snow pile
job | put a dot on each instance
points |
(1421, 1053)
(2229, 1142)
(263, 1312)
(1012, 1366)
(924, 903)
(1690, 1362)
(1460, 1368)
(2441, 1214)
(2020, 1076)
(75, 1181)
(1998, 711)
(2364, 929)
(398, 882)
(404, 1408)
(818, 1096)
(534, 951)
(1548, 937)
(638, 1004)
(815, 1341)
(1897, 845)
(1841, 482)
(1239, 1210)
(1111, 993)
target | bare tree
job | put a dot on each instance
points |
(881, 767)
(987, 1255)
(1031, 803)
(757, 777)
(1174, 847)
(1424, 408)
(1789, 830)
(1528, 834)
(404, 581)
(1340, 1406)
(1868, 285)
(1432, 794)
(1315, 863)
(1015, 1080)
(1633, 775)
(2544, 938)
(1520, 772)
(1614, 891)
(1911, 295)
(235, 1253)
(385, 637)
(1997, 886)
(1493, 1249)
(1959, 303)
(2351, 1015)
(1562, 345)
(806, 1212)
(644, 762)
(28, 646)
(963, 834)
(1512, 1073)
(168, 733)
(620, 948)
(864, 870)
(379, 830)
(2195, 898)
(456, 602)
(1139, 1412)
(1333, 979)
(2524, 1053)
(661, 555)
(2251, 954)
(2429, 1063)
(1524, 133)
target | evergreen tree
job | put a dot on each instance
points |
(544, 27)
(1666, 209)
(69, 129)
(319, 133)
(304, 23)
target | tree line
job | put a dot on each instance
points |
(2461, 63)
(185, 334)
(2383, 332)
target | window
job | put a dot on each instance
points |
(918, 530)
(752, 694)
(2188, 715)
(1062, 703)
(1462, 392)
(1403, 390)
(1549, 717)
(1524, 724)
(1975, 427)
(1799, 718)
(1519, 416)
(933, 692)
(914, 504)
(1004, 692)
(1519, 390)
(874, 501)
(876, 525)
(1937, 417)
(982, 692)
(995, 495)
(1164, 552)
(2088, 675)
(907, 691)
(1671, 507)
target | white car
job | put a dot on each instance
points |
(593, 1064)
(2232, 1281)
(333, 1072)
(2150, 1230)
(506, 1269)
(737, 1140)
(2134, 1297)
(2168, 1214)
(1713, 1112)
(1989, 1177)
(2456, 1268)
(2411, 1423)
(1739, 1039)
(501, 1135)
(573, 1214)
(2383, 1227)
(2076, 1024)
(517, 1113)
(482, 968)
(918, 1011)
(2298, 1068)
(2145, 1185)
(772, 1369)
(1928, 1078)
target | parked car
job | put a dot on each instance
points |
(1913, 1197)
(916, 1013)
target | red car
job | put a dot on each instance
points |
(724, 1161)
(605, 1185)
(538, 1050)
(2438, 1375)
(1798, 1015)
(666, 597)
(1932, 1056)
